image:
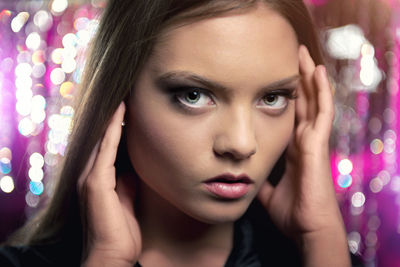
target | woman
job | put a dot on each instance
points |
(213, 94)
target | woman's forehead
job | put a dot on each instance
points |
(257, 43)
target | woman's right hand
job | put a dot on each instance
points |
(112, 234)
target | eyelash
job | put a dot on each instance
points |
(287, 94)
(179, 92)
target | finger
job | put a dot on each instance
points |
(265, 193)
(126, 191)
(307, 69)
(300, 106)
(88, 167)
(109, 144)
(325, 115)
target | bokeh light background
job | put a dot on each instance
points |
(42, 48)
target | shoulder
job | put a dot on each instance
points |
(43, 255)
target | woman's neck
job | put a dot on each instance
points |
(172, 238)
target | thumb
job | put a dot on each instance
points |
(126, 190)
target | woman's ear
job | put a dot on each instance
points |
(122, 161)
(124, 122)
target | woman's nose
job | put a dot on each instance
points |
(235, 138)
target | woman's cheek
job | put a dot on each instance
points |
(274, 135)
(168, 142)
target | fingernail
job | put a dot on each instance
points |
(121, 105)
(323, 71)
(305, 50)
(301, 49)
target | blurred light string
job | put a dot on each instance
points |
(394, 89)
(45, 62)
(364, 160)
(6, 100)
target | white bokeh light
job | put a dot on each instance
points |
(24, 94)
(358, 199)
(69, 40)
(36, 174)
(38, 70)
(26, 127)
(24, 107)
(36, 160)
(24, 82)
(69, 52)
(51, 148)
(7, 184)
(57, 76)
(43, 20)
(345, 166)
(345, 42)
(23, 69)
(59, 6)
(19, 21)
(60, 123)
(68, 65)
(32, 200)
(57, 55)
(38, 115)
(84, 37)
(38, 102)
(67, 111)
(376, 185)
(33, 41)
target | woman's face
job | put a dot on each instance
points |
(212, 112)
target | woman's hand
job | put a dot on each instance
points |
(303, 205)
(112, 232)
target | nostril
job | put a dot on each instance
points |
(237, 142)
(235, 154)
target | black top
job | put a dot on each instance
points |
(257, 243)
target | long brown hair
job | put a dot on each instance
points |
(124, 40)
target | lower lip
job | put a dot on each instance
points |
(228, 190)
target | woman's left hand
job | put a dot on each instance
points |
(303, 205)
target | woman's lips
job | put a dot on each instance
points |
(228, 186)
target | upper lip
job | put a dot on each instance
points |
(230, 178)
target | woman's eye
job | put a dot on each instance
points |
(274, 101)
(194, 98)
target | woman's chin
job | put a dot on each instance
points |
(219, 214)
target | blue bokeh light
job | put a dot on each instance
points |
(36, 187)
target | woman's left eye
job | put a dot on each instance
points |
(274, 101)
(194, 98)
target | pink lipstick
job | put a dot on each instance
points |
(228, 186)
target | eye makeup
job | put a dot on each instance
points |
(192, 98)
(190, 77)
(179, 85)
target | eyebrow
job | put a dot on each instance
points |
(177, 76)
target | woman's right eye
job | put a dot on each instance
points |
(194, 98)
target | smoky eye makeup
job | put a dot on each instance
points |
(188, 92)
(186, 95)
(275, 102)
(191, 97)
